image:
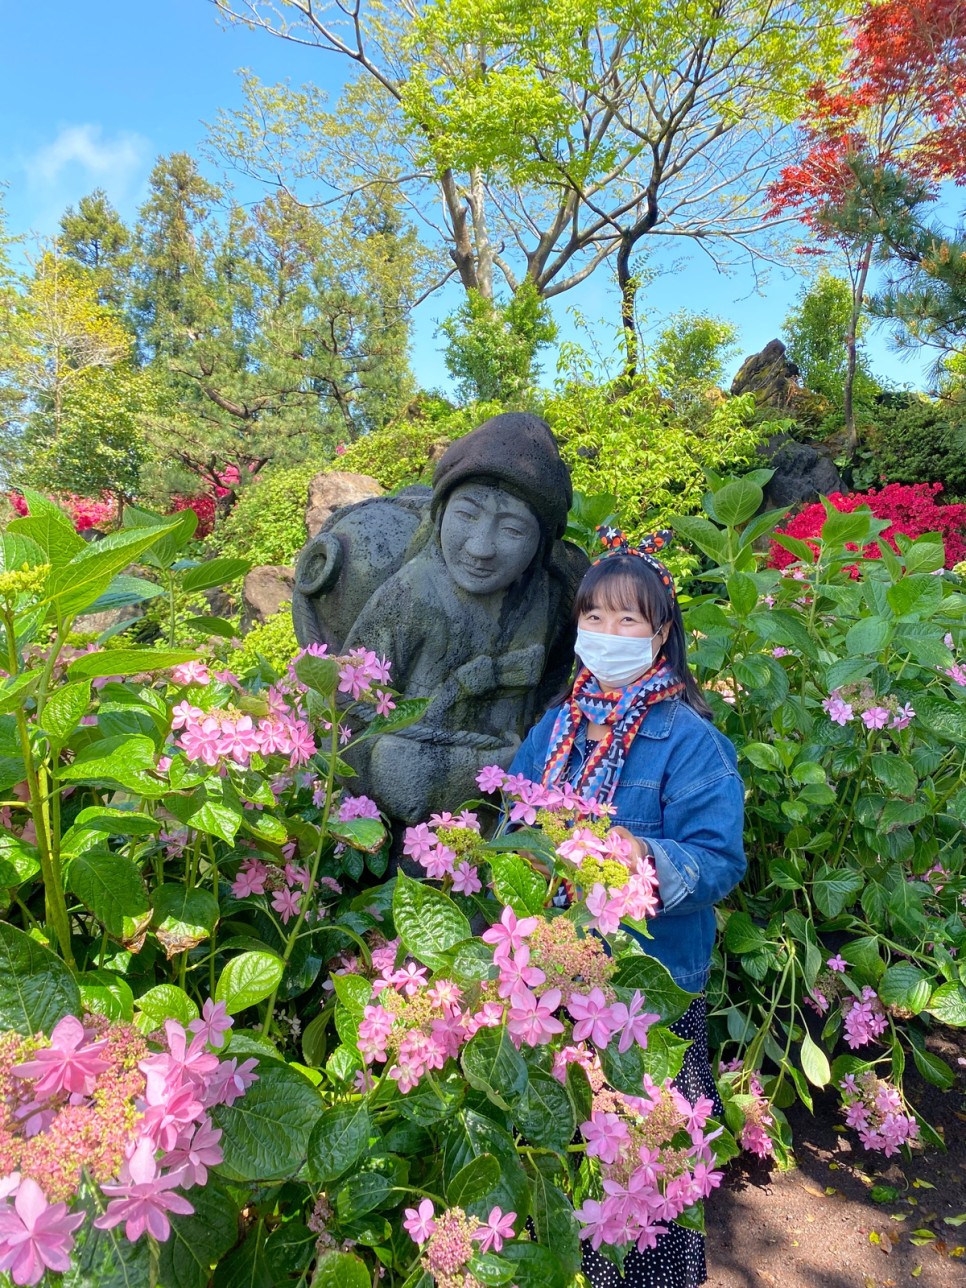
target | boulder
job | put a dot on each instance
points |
(88, 623)
(331, 491)
(264, 591)
(803, 472)
(769, 375)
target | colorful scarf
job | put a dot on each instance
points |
(621, 712)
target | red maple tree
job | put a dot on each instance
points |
(900, 106)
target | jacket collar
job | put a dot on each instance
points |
(656, 724)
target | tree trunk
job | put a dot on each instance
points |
(627, 282)
(858, 293)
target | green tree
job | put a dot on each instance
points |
(95, 235)
(690, 354)
(491, 349)
(272, 332)
(69, 360)
(551, 137)
(816, 330)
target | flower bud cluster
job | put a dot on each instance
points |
(844, 704)
(446, 847)
(450, 1240)
(97, 1101)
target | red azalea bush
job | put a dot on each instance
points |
(204, 507)
(912, 509)
(85, 511)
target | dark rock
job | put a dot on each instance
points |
(264, 591)
(803, 472)
(769, 375)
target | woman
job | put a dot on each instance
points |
(636, 732)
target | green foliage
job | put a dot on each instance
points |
(916, 441)
(491, 349)
(399, 454)
(267, 523)
(815, 329)
(846, 817)
(690, 353)
(624, 439)
(274, 640)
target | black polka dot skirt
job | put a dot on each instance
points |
(678, 1259)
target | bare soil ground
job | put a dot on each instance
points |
(818, 1226)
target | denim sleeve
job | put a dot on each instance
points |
(701, 856)
(526, 759)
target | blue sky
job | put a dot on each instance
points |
(92, 93)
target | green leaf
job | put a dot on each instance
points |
(110, 885)
(248, 979)
(664, 1055)
(761, 754)
(534, 1266)
(544, 1113)
(835, 888)
(517, 885)
(473, 1182)
(895, 773)
(267, 1130)
(124, 591)
(736, 502)
(183, 918)
(933, 1069)
(63, 711)
(407, 712)
(50, 527)
(742, 935)
(340, 1270)
(165, 1002)
(178, 531)
(856, 527)
(709, 539)
(905, 986)
(110, 821)
(338, 1141)
(15, 691)
(129, 661)
(215, 572)
(127, 760)
(76, 585)
(654, 980)
(318, 673)
(105, 1259)
(920, 594)
(869, 635)
(427, 920)
(556, 1225)
(948, 1004)
(199, 1241)
(467, 1135)
(492, 1064)
(361, 1193)
(815, 1063)
(366, 834)
(103, 992)
(36, 988)
(743, 593)
(206, 626)
(18, 860)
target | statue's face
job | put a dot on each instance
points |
(488, 537)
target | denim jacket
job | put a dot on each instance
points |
(680, 792)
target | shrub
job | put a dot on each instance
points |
(267, 525)
(274, 640)
(399, 453)
(85, 511)
(912, 511)
(921, 442)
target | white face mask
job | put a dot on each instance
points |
(615, 659)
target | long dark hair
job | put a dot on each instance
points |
(623, 579)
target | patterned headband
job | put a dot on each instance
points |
(615, 543)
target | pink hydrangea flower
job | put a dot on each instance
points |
(531, 1019)
(214, 1023)
(876, 717)
(509, 933)
(592, 1012)
(839, 711)
(466, 879)
(419, 1223)
(190, 673)
(837, 963)
(632, 1022)
(70, 1063)
(143, 1198)
(35, 1236)
(497, 1227)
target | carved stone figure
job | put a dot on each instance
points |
(467, 590)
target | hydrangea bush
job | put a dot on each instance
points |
(214, 995)
(838, 677)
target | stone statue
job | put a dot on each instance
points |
(468, 591)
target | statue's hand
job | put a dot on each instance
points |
(519, 669)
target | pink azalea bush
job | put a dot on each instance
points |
(100, 1105)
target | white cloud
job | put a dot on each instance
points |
(113, 162)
